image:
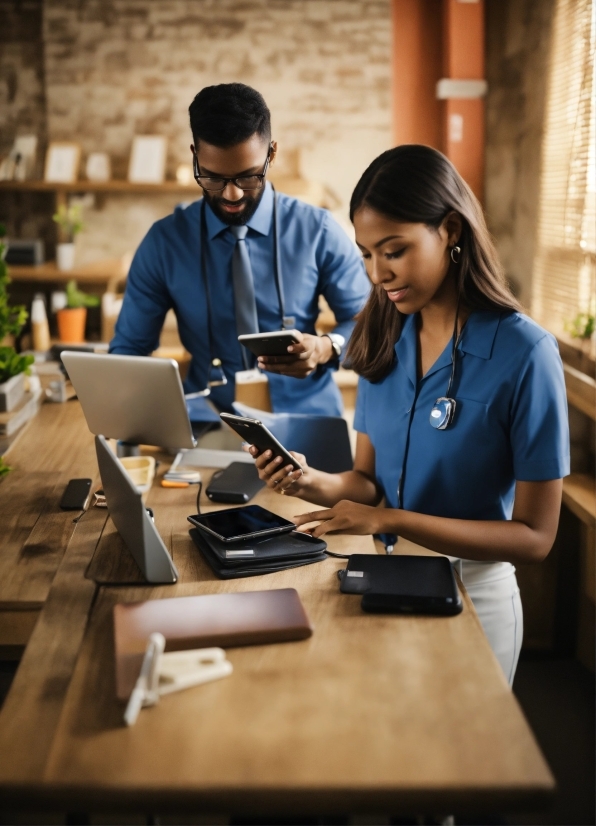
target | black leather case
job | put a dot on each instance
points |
(236, 484)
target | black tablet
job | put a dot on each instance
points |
(241, 523)
(269, 344)
(402, 584)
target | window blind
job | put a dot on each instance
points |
(564, 276)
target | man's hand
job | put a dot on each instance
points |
(345, 517)
(303, 357)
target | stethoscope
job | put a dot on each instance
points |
(443, 410)
(216, 376)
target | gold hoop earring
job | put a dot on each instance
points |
(455, 251)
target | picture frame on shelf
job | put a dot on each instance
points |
(147, 163)
(62, 162)
(98, 167)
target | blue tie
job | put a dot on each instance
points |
(244, 291)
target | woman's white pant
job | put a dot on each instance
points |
(493, 589)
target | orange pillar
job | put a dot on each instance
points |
(417, 66)
(463, 118)
(434, 40)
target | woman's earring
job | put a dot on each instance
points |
(455, 253)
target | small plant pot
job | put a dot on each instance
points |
(65, 256)
(71, 324)
(11, 392)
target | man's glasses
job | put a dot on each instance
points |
(217, 184)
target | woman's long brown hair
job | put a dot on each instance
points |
(417, 184)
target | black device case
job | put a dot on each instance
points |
(236, 484)
(402, 584)
(229, 560)
(269, 345)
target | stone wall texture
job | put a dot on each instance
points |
(518, 42)
(117, 68)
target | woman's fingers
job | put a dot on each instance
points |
(314, 516)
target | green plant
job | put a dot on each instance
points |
(11, 363)
(4, 468)
(12, 319)
(70, 220)
(582, 326)
(76, 298)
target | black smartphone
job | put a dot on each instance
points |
(255, 433)
(241, 523)
(76, 495)
(269, 344)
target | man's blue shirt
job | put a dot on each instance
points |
(510, 419)
(317, 258)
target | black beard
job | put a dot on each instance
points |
(252, 202)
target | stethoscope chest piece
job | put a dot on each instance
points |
(442, 413)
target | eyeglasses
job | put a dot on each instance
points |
(217, 184)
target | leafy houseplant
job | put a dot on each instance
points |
(12, 366)
(71, 319)
(70, 221)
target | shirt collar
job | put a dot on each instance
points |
(477, 339)
(479, 333)
(260, 222)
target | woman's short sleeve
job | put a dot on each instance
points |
(539, 420)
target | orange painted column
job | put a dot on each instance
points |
(433, 41)
(417, 66)
(463, 118)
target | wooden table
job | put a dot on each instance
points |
(382, 714)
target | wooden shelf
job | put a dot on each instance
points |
(100, 186)
(99, 272)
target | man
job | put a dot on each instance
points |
(242, 260)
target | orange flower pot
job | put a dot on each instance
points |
(71, 324)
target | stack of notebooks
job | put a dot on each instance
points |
(253, 557)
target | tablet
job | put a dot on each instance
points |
(241, 523)
(269, 344)
(402, 583)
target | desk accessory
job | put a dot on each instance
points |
(402, 584)
(166, 673)
(224, 620)
(236, 484)
(230, 560)
(130, 517)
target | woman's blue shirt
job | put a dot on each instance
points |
(510, 420)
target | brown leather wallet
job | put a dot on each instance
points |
(225, 620)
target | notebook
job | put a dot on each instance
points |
(254, 557)
(224, 620)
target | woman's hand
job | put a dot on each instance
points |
(345, 517)
(277, 476)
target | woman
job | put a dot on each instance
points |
(461, 412)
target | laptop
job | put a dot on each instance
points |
(135, 399)
(132, 520)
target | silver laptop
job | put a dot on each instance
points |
(131, 518)
(135, 399)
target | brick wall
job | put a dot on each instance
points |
(116, 68)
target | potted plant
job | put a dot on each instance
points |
(12, 366)
(69, 219)
(72, 318)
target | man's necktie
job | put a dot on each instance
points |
(244, 291)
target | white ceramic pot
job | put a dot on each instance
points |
(11, 392)
(65, 256)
